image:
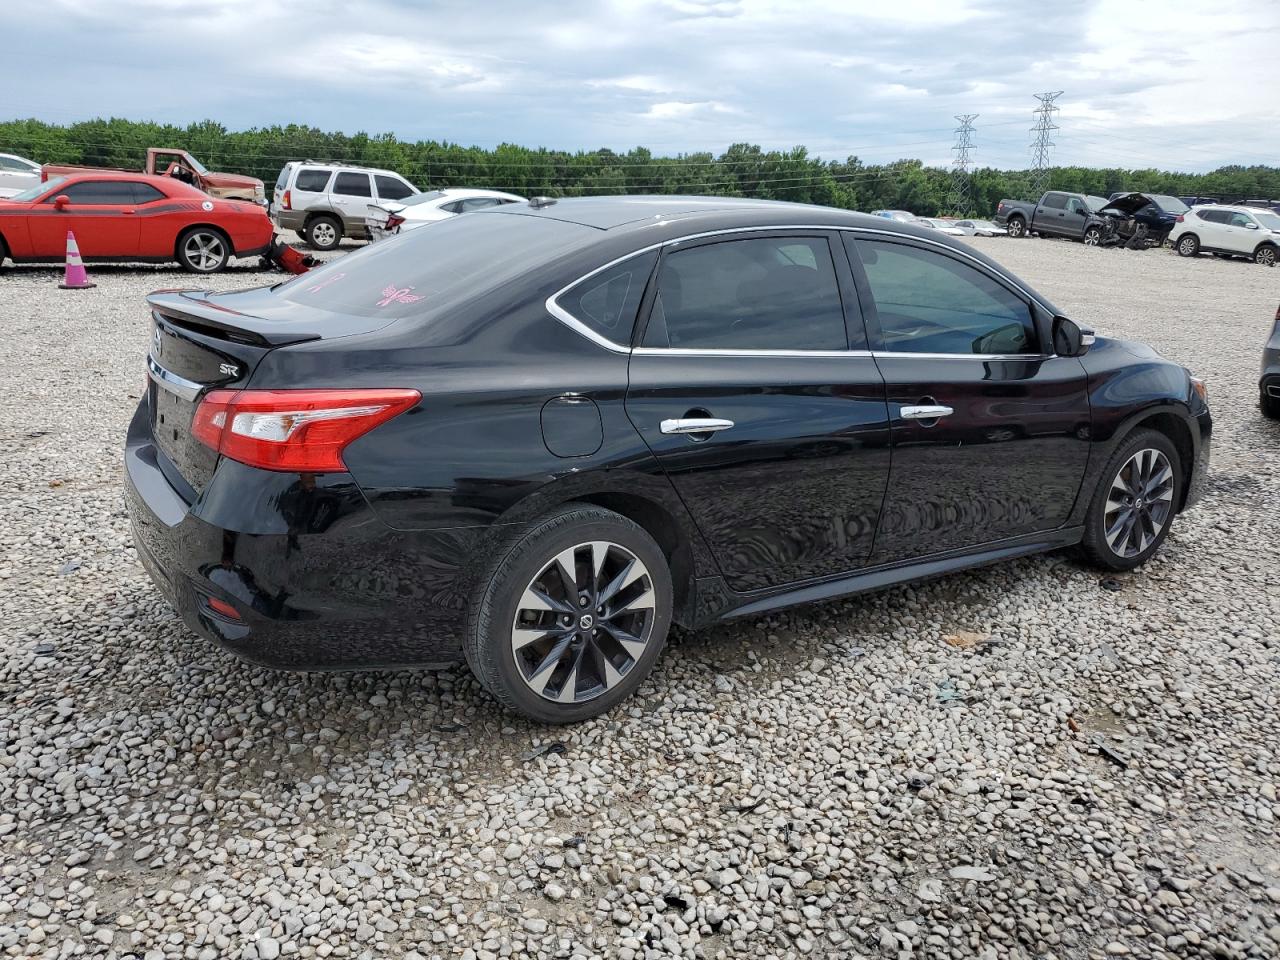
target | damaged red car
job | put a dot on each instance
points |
(132, 218)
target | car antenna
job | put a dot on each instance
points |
(539, 202)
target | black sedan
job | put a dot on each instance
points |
(537, 436)
(1269, 385)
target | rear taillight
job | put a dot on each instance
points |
(393, 221)
(302, 431)
(287, 202)
(1178, 218)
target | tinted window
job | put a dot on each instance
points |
(352, 185)
(99, 192)
(607, 303)
(312, 181)
(1213, 216)
(145, 193)
(931, 303)
(1058, 201)
(392, 188)
(437, 271)
(478, 203)
(776, 293)
(455, 207)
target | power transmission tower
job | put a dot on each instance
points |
(961, 183)
(1042, 146)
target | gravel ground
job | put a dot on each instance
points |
(1022, 761)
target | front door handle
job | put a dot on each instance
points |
(925, 411)
(695, 425)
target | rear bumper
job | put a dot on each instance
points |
(315, 579)
(289, 219)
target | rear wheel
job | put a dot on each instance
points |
(1270, 406)
(1265, 255)
(1134, 503)
(4, 251)
(1188, 245)
(1092, 237)
(203, 250)
(323, 233)
(1017, 227)
(572, 617)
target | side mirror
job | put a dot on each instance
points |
(1251, 226)
(60, 201)
(1068, 339)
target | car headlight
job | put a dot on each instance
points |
(1202, 388)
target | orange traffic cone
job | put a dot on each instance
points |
(76, 278)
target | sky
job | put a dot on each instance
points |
(1172, 84)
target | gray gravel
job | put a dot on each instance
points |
(1014, 762)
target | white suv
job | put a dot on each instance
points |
(325, 201)
(1229, 232)
(17, 174)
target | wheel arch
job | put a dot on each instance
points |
(1175, 424)
(1264, 244)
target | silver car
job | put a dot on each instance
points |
(17, 174)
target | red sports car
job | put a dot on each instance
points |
(131, 217)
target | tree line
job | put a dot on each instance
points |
(743, 170)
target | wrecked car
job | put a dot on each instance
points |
(1133, 220)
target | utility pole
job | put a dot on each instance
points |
(1042, 146)
(961, 183)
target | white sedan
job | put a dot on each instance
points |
(389, 217)
(980, 228)
(17, 174)
(942, 226)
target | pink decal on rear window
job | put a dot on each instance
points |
(324, 283)
(397, 295)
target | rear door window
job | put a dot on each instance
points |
(1056, 201)
(352, 185)
(392, 188)
(312, 181)
(764, 293)
(606, 303)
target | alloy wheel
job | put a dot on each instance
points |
(1139, 503)
(324, 234)
(1186, 246)
(1265, 256)
(1015, 228)
(1092, 238)
(204, 251)
(583, 622)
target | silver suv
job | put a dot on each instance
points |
(325, 202)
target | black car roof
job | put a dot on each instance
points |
(710, 213)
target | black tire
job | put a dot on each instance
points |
(1188, 245)
(1016, 227)
(523, 561)
(4, 251)
(1092, 237)
(1266, 255)
(203, 250)
(323, 232)
(1097, 550)
(1270, 407)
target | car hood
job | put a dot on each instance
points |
(1127, 205)
(231, 180)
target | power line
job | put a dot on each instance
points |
(1042, 147)
(961, 183)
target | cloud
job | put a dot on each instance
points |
(861, 77)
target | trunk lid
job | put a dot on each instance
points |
(201, 341)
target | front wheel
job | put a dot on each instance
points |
(1092, 237)
(572, 617)
(1134, 502)
(203, 250)
(1188, 245)
(1265, 255)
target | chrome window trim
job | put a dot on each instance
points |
(186, 389)
(553, 306)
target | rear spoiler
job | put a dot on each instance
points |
(193, 309)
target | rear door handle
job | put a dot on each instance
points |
(926, 411)
(695, 425)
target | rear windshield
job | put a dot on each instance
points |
(422, 197)
(1169, 204)
(423, 270)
